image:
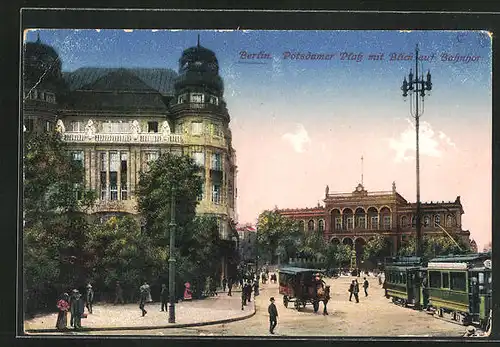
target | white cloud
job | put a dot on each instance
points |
(298, 139)
(430, 145)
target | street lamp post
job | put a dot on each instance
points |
(171, 261)
(418, 87)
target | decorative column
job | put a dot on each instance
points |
(108, 191)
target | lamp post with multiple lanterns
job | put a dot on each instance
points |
(416, 85)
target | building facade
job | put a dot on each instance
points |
(116, 121)
(354, 218)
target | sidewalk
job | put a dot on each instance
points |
(212, 310)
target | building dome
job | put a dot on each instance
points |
(199, 70)
(42, 65)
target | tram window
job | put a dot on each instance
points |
(446, 280)
(434, 279)
(481, 278)
(458, 281)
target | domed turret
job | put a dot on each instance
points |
(42, 67)
(199, 72)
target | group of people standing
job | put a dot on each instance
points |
(354, 289)
(75, 305)
(246, 291)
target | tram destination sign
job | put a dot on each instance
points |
(455, 266)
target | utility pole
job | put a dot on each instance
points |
(417, 86)
(171, 260)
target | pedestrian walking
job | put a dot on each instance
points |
(249, 291)
(224, 283)
(379, 279)
(77, 308)
(243, 299)
(256, 288)
(62, 316)
(356, 291)
(365, 286)
(273, 315)
(89, 298)
(145, 292)
(163, 297)
(118, 293)
(351, 290)
(229, 286)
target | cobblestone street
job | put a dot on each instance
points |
(372, 316)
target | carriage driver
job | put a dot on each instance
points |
(320, 284)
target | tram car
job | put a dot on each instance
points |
(460, 287)
(403, 281)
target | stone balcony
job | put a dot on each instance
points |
(122, 138)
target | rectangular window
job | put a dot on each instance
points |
(199, 158)
(197, 98)
(434, 279)
(458, 282)
(77, 126)
(197, 128)
(103, 185)
(152, 127)
(338, 223)
(216, 130)
(151, 157)
(78, 157)
(48, 126)
(374, 222)
(446, 280)
(114, 166)
(349, 223)
(387, 222)
(216, 194)
(123, 176)
(216, 161)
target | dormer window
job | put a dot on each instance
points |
(182, 99)
(197, 98)
(50, 97)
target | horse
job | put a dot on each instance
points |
(323, 294)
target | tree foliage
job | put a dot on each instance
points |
(338, 255)
(376, 248)
(433, 246)
(170, 173)
(277, 234)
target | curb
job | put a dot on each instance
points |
(171, 326)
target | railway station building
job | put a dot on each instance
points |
(355, 217)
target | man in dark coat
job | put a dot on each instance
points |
(229, 286)
(224, 283)
(163, 297)
(351, 290)
(243, 299)
(77, 307)
(89, 297)
(249, 291)
(118, 293)
(356, 291)
(365, 286)
(273, 315)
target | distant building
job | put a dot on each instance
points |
(356, 217)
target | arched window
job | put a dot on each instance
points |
(321, 225)
(427, 221)
(413, 222)
(404, 222)
(437, 220)
(310, 225)
(449, 220)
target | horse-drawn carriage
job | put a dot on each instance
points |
(302, 286)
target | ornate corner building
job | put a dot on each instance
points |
(117, 120)
(356, 217)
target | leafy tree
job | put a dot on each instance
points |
(53, 204)
(169, 173)
(433, 246)
(338, 255)
(376, 248)
(313, 244)
(276, 232)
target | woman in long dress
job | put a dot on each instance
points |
(62, 317)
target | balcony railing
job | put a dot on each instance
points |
(156, 138)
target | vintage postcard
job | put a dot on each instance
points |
(258, 183)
